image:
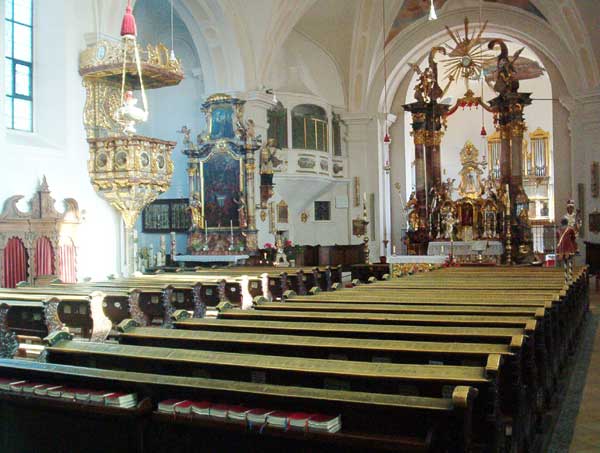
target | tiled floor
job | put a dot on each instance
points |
(586, 437)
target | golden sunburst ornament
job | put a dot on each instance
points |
(467, 58)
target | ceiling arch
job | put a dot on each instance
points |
(417, 38)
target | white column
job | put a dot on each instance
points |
(362, 163)
(256, 107)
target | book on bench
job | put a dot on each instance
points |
(325, 423)
(299, 419)
(29, 387)
(238, 413)
(43, 390)
(278, 419)
(99, 396)
(218, 410)
(121, 400)
(258, 415)
(201, 407)
(18, 386)
(168, 406)
(6, 383)
(183, 407)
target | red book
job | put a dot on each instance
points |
(123, 400)
(323, 422)
(168, 406)
(5, 383)
(18, 386)
(201, 407)
(237, 412)
(29, 387)
(42, 390)
(183, 407)
(299, 419)
(258, 415)
(99, 396)
(218, 410)
(68, 393)
(278, 418)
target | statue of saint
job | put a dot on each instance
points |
(449, 224)
(238, 199)
(195, 209)
(268, 156)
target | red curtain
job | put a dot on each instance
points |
(15, 263)
(67, 262)
(44, 257)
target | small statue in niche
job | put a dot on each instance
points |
(195, 209)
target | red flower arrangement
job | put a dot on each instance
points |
(288, 243)
(268, 245)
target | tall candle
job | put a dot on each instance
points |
(231, 227)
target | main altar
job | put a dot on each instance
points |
(483, 218)
(221, 182)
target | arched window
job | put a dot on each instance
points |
(277, 118)
(309, 127)
(18, 50)
(15, 263)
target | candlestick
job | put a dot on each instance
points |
(393, 249)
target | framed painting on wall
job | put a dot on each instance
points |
(594, 219)
(595, 182)
(166, 215)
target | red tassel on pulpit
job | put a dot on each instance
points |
(387, 139)
(483, 131)
(128, 26)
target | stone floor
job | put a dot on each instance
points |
(586, 435)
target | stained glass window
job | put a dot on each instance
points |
(18, 64)
(309, 127)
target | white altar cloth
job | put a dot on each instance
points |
(415, 259)
(465, 248)
(211, 258)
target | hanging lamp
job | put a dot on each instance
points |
(432, 14)
(128, 114)
(386, 138)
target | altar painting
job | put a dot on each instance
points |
(221, 181)
(221, 123)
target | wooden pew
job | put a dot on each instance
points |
(368, 420)
(513, 390)
(425, 380)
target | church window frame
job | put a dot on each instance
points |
(277, 120)
(18, 64)
(310, 128)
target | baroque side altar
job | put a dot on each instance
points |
(221, 167)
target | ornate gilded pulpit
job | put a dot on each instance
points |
(128, 170)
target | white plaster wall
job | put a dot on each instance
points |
(57, 148)
(171, 107)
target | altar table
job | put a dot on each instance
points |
(466, 248)
(211, 258)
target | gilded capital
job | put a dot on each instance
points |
(419, 136)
